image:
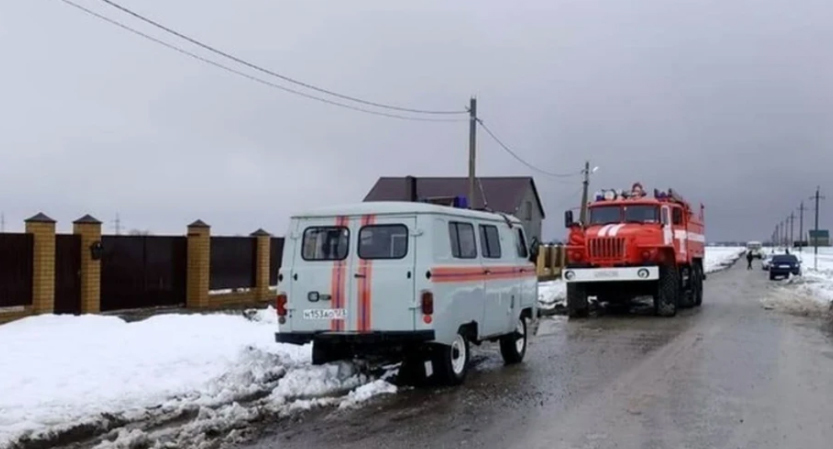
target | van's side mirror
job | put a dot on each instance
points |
(534, 249)
(568, 218)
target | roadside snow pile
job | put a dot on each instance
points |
(90, 375)
(721, 257)
(553, 294)
(810, 293)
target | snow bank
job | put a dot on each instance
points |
(721, 257)
(553, 294)
(808, 294)
(61, 372)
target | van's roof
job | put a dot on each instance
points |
(398, 207)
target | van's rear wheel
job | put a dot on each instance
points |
(452, 360)
(323, 353)
(513, 346)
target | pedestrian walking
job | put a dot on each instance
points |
(749, 258)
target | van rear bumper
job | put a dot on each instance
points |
(352, 338)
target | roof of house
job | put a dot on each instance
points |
(822, 233)
(502, 193)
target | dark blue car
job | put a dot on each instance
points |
(782, 265)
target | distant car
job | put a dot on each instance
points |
(782, 265)
(766, 261)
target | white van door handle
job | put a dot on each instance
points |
(359, 275)
(487, 271)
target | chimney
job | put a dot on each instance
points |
(412, 188)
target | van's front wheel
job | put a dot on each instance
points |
(453, 360)
(513, 346)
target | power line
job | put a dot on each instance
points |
(520, 159)
(270, 72)
(246, 75)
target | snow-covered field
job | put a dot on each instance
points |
(62, 375)
(552, 294)
(810, 293)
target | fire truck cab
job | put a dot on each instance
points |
(636, 245)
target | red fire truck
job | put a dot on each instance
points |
(636, 245)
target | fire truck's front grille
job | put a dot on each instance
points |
(607, 248)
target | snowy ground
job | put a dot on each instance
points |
(810, 293)
(552, 295)
(65, 376)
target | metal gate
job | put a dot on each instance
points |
(68, 273)
(275, 258)
(143, 271)
(16, 269)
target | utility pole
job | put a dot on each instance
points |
(117, 222)
(801, 227)
(2, 222)
(792, 221)
(816, 197)
(586, 183)
(472, 147)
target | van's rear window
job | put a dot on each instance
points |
(326, 243)
(389, 241)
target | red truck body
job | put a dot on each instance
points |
(636, 245)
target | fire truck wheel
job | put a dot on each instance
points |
(668, 292)
(452, 361)
(513, 346)
(577, 305)
(698, 285)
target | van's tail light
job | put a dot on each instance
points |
(280, 304)
(427, 303)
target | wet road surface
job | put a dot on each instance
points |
(729, 374)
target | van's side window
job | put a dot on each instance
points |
(389, 241)
(489, 241)
(325, 243)
(520, 243)
(463, 244)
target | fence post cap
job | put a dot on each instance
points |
(87, 219)
(199, 224)
(40, 217)
(260, 233)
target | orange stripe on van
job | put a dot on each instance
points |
(477, 274)
(365, 288)
(337, 282)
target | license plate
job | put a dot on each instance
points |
(605, 274)
(783, 266)
(324, 314)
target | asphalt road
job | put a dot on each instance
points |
(727, 375)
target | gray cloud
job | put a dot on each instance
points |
(725, 101)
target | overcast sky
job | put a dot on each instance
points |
(729, 101)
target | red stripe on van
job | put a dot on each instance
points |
(337, 281)
(365, 288)
(476, 274)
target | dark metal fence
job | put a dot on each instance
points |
(233, 262)
(275, 258)
(143, 271)
(68, 273)
(16, 269)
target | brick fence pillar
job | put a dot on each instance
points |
(262, 267)
(90, 231)
(199, 265)
(42, 229)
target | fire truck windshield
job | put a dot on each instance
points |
(637, 213)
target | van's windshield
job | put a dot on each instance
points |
(636, 213)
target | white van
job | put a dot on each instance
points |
(416, 280)
(755, 248)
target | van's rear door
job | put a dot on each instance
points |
(383, 273)
(319, 283)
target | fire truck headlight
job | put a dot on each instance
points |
(642, 273)
(569, 275)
